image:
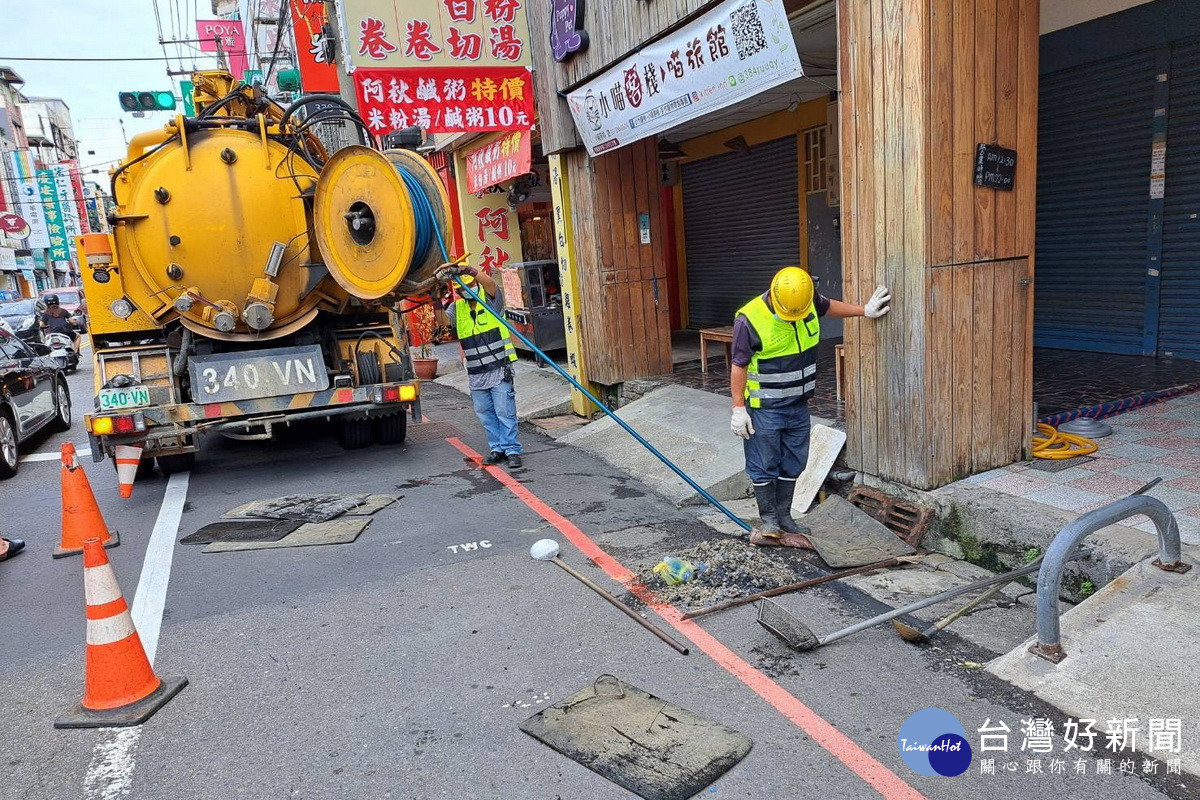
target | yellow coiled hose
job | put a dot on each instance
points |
(1052, 443)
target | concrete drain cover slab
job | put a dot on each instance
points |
(648, 746)
(302, 507)
(260, 530)
(310, 534)
(847, 536)
(372, 503)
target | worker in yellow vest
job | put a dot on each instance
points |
(488, 352)
(773, 375)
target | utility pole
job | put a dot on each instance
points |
(340, 59)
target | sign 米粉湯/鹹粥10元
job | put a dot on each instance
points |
(733, 52)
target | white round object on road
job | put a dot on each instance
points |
(544, 549)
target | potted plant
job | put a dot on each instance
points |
(425, 331)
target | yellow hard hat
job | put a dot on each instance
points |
(792, 294)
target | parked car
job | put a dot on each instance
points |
(33, 397)
(71, 298)
(23, 317)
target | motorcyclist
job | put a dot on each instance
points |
(57, 319)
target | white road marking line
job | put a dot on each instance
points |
(53, 456)
(110, 773)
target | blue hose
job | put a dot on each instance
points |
(427, 225)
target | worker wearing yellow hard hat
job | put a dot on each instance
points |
(773, 374)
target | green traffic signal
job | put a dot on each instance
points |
(147, 101)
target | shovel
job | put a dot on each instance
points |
(798, 636)
(910, 634)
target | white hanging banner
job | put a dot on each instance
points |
(735, 51)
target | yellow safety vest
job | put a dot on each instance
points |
(783, 369)
(483, 338)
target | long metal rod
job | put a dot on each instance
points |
(937, 598)
(687, 478)
(629, 612)
(791, 587)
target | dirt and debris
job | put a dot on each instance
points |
(732, 568)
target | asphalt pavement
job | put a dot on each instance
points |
(400, 666)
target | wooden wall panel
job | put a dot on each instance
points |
(627, 327)
(939, 388)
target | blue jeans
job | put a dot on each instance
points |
(497, 412)
(779, 446)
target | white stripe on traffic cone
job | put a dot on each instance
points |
(128, 459)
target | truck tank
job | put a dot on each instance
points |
(242, 255)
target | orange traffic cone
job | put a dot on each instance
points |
(128, 458)
(120, 687)
(81, 518)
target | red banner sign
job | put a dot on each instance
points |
(507, 157)
(445, 99)
(14, 225)
(314, 54)
(232, 45)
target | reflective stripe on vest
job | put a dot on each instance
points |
(782, 371)
(483, 338)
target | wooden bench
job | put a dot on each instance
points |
(707, 335)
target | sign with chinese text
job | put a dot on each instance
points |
(233, 42)
(504, 158)
(995, 166)
(384, 33)
(14, 226)
(491, 232)
(445, 99)
(30, 199)
(733, 52)
(81, 211)
(314, 55)
(55, 223)
(67, 199)
(567, 35)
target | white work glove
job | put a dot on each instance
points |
(740, 424)
(879, 304)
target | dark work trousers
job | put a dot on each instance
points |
(779, 446)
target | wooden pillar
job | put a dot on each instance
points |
(942, 387)
(621, 267)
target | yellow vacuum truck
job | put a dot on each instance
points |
(253, 279)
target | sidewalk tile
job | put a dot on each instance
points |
(1176, 499)
(1066, 497)
(1191, 431)
(1107, 463)
(1067, 475)
(1188, 462)
(1158, 423)
(1138, 452)
(989, 475)
(1112, 485)
(1146, 472)
(1125, 433)
(1188, 483)
(1170, 442)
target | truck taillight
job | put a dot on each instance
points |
(117, 424)
(395, 393)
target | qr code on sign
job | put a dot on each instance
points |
(748, 32)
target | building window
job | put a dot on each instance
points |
(816, 175)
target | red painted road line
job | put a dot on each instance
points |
(838, 744)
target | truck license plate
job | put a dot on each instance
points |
(117, 399)
(224, 377)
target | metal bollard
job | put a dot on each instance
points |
(1049, 580)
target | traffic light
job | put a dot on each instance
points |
(147, 101)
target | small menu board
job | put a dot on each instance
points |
(995, 166)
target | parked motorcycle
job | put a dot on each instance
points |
(62, 350)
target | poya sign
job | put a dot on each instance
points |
(567, 35)
(733, 52)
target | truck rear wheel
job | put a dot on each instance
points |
(392, 429)
(355, 434)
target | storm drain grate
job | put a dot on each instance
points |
(1058, 464)
(906, 520)
(432, 431)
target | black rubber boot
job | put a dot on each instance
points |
(765, 497)
(785, 491)
(496, 457)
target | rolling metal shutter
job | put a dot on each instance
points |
(1179, 301)
(741, 216)
(1094, 142)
